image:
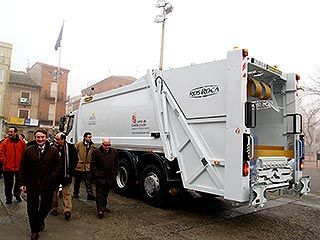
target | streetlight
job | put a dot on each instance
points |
(166, 9)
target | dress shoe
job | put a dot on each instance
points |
(18, 198)
(91, 197)
(54, 212)
(8, 201)
(42, 226)
(67, 215)
(100, 214)
(34, 236)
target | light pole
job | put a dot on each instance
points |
(166, 9)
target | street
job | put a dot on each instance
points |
(190, 217)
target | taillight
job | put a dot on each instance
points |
(301, 166)
(245, 52)
(245, 169)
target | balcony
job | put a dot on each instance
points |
(24, 101)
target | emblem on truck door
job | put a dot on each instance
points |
(204, 91)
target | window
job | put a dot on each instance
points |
(51, 112)
(1, 57)
(23, 113)
(1, 75)
(25, 97)
(53, 89)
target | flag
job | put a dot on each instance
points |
(58, 42)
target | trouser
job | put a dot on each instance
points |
(11, 177)
(38, 207)
(102, 192)
(86, 176)
(66, 199)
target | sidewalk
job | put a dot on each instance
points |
(14, 223)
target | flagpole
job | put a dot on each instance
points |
(57, 75)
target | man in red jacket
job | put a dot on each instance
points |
(11, 152)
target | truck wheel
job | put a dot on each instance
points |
(124, 179)
(153, 186)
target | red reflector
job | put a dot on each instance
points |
(245, 169)
(301, 165)
(245, 52)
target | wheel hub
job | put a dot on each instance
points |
(152, 185)
(122, 177)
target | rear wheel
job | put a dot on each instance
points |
(153, 185)
(125, 177)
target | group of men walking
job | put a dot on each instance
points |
(39, 168)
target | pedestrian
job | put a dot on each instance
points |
(23, 137)
(11, 153)
(104, 168)
(40, 169)
(68, 154)
(85, 150)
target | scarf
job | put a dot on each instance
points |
(66, 160)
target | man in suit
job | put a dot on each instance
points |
(39, 173)
(104, 168)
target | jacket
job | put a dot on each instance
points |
(104, 166)
(40, 172)
(68, 171)
(11, 153)
(84, 159)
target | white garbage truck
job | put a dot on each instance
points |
(228, 128)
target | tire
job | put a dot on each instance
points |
(153, 186)
(124, 178)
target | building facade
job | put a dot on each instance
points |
(108, 84)
(5, 62)
(21, 107)
(53, 92)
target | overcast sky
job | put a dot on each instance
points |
(119, 37)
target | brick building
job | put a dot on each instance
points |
(102, 86)
(51, 86)
(107, 84)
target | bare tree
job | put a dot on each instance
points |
(310, 110)
(311, 120)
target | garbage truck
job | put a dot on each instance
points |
(227, 128)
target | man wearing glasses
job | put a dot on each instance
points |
(104, 168)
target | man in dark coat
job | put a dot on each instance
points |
(40, 169)
(104, 168)
(68, 154)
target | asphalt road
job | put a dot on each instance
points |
(190, 217)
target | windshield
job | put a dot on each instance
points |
(69, 124)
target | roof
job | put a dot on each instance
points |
(49, 66)
(21, 78)
(117, 78)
